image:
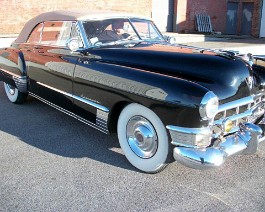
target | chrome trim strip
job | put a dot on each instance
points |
(10, 73)
(236, 103)
(102, 118)
(93, 104)
(101, 122)
(102, 129)
(41, 32)
(191, 131)
(187, 137)
(83, 36)
(21, 83)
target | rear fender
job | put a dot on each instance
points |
(13, 68)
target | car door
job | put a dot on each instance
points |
(50, 63)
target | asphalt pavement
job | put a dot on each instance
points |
(256, 46)
(52, 162)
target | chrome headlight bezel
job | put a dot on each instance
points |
(209, 106)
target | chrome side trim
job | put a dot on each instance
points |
(21, 83)
(10, 73)
(102, 118)
(82, 33)
(93, 104)
(190, 137)
(98, 127)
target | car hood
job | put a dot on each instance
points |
(227, 76)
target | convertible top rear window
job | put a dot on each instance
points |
(55, 33)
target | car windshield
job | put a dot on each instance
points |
(120, 31)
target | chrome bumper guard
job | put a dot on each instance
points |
(245, 141)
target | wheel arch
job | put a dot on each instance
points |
(114, 115)
(13, 68)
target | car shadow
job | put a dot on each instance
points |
(45, 128)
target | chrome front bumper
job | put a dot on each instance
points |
(245, 141)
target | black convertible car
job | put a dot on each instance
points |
(118, 74)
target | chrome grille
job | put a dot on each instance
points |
(247, 109)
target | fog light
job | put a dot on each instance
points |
(227, 125)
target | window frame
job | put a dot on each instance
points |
(40, 36)
(73, 25)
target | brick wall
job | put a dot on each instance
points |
(186, 10)
(15, 13)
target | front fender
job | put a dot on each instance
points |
(259, 71)
(176, 101)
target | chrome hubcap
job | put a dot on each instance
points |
(142, 137)
(10, 89)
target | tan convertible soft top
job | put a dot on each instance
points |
(73, 15)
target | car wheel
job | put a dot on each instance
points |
(143, 138)
(14, 95)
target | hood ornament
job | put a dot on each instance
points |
(247, 58)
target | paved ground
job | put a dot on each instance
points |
(244, 46)
(51, 162)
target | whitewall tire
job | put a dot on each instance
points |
(143, 138)
(14, 95)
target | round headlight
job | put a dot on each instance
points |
(209, 106)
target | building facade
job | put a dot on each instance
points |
(235, 17)
(262, 24)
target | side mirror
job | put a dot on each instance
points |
(169, 39)
(74, 44)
